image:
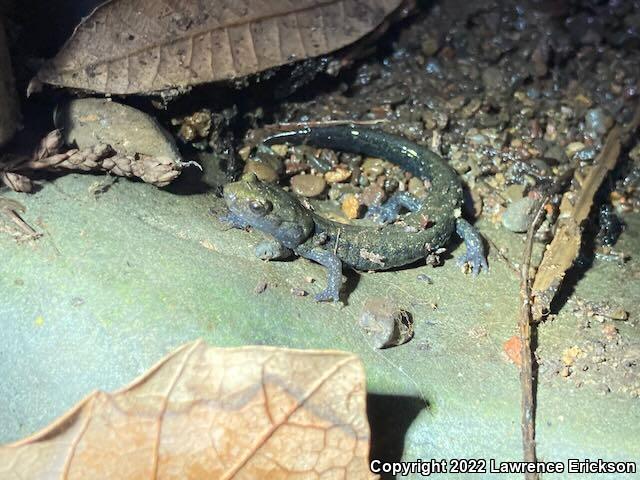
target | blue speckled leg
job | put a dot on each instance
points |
(233, 221)
(475, 246)
(332, 263)
(272, 250)
(389, 212)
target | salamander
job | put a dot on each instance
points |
(297, 229)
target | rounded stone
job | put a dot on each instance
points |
(351, 206)
(337, 175)
(517, 217)
(372, 167)
(308, 185)
(263, 171)
(598, 121)
(373, 195)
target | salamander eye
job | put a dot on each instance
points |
(260, 207)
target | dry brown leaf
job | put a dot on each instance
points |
(140, 46)
(212, 413)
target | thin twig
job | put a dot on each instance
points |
(498, 252)
(526, 369)
(322, 123)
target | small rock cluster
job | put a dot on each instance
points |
(351, 182)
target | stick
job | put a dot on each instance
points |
(526, 368)
(321, 123)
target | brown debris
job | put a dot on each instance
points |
(12, 209)
(16, 182)
(261, 412)
(163, 35)
(158, 171)
(565, 246)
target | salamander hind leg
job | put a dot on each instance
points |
(332, 263)
(475, 254)
(388, 213)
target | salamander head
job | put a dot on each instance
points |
(269, 209)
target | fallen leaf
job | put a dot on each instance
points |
(204, 412)
(141, 46)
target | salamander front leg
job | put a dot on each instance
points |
(231, 220)
(272, 250)
(388, 213)
(332, 263)
(475, 254)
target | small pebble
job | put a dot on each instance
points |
(351, 206)
(513, 193)
(260, 287)
(493, 79)
(372, 167)
(586, 154)
(471, 108)
(573, 148)
(280, 149)
(363, 181)
(298, 292)
(433, 66)
(478, 139)
(598, 121)
(541, 166)
(430, 44)
(373, 195)
(308, 185)
(244, 152)
(263, 171)
(195, 126)
(321, 160)
(390, 185)
(425, 278)
(339, 190)
(266, 155)
(295, 167)
(517, 216)
(385, 323)
(338, 175)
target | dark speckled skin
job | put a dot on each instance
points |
(362, 247)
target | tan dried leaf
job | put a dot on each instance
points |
(212, 413)
(141, 46)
